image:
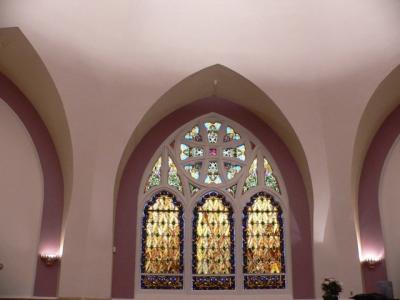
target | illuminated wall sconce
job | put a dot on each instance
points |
(371, 262)
(50, 259)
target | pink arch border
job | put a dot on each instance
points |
(46, 280)
(123, 273)
(371, 235)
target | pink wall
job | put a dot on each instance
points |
(46, 282)
(371, 236)
(125, 221)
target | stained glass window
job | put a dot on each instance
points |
(238, 152)
(188, 152)
(155, 175)
(173, 177)
(212, 131)
(162, 243)
(231, 135)
(213, 244)
(194, 135)
(263, 251)
(218, 159)
(252, 179)
(270, 179)
(193, 169)
(213, 173)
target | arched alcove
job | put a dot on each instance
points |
(21, 64)
(377, 131)
(46, 279)
(131, 174)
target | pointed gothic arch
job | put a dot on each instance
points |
(129, 189)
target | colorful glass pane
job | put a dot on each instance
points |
(213, 243)
(213, 173)
(173, 177)
(194, 134)
(162, 241)
(194, 169)
(270, 179)
(263, 241)
(231, 170)
(187, 152)
(232, 190)
(231, 135)
(238, 152)
(155, 175)
(193, 189)
(212, 131)
(252, 179)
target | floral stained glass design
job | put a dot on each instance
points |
(189, 152)
(238, 152)
(194, 135)
(193, 189)
(252, 179)
(231, 135)
(155, 175)
(173, 177)
(232, 170)
(212, 131)
(162, 243)
(232, 190)
(263, 252)
(270, 179)
(194, 170)
(213, 173)
(213, 244)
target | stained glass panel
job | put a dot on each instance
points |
(212, 131)
(213, 243)
(270, 179)
(162, 243)
(232, 170)
(193, 189)
(173, 177)
(213, 173)
(194, 134)
(194, 169)
(232, 190)
(252, 179)
(238, 152)
(231, 135)
(263, 250)
(155, 175)
(188, 152)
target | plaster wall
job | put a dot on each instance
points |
(21, 200)
(389, 209)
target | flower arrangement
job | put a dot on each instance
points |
(332, 288)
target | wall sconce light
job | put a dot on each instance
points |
(50, 259)
(371, 262)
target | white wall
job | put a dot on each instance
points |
(389, 202)
(21, 199)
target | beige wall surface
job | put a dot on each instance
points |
(21, 199)
(319, 62)
(389, 209)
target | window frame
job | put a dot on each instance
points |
(238, 203)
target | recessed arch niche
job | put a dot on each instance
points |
(190, 99)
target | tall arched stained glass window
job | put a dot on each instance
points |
(263, 251)
(213, 244)
(212, 165)
(162, 243)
